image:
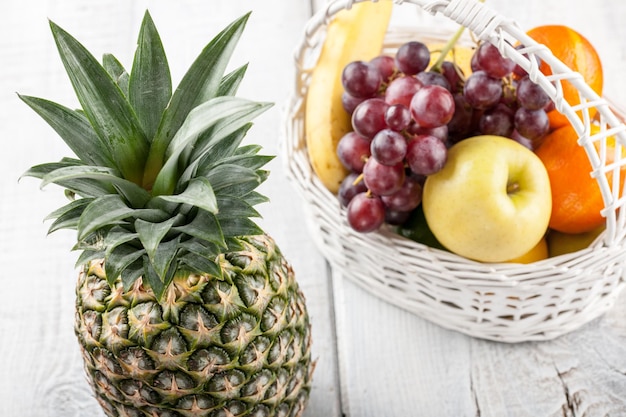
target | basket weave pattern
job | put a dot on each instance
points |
(504, 302)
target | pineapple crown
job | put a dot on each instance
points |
(161, 183)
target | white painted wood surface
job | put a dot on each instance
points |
(373, 359)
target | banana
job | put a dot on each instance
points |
(353, 34)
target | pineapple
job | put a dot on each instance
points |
(184, 306)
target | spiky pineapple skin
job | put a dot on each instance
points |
(239, 345)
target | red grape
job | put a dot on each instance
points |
(474, 64)
(515, 135)
(482, 91)
(461, 122)
(432, 106)
(369, 117)
(401, 90)
(412, 57)
(386, 66)
(531, 124)
(440, 132)
(349, 102)
(490, 60)
(383, 179)
(406, 198)
(388, 147)
(453, 74)
(531, 95)
(353, 150)
(366, 213)
(396, 218)
(509, 92)
(521, 72)
(350, 187)
(360, 79)
(497, 121)
(433, 78)
(426, 155)
(398, 117)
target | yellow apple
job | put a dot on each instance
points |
(537, 253)
(560, 243)
(491, 202)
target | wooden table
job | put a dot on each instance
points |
(373, 359)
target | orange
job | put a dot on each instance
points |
(576, 196)
(578, 54)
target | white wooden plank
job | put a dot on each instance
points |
(394, 363)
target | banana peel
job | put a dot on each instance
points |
(353, 34)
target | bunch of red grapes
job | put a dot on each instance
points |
(405, 116)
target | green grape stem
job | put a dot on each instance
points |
(448, 47)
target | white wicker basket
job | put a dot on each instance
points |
(503, 302)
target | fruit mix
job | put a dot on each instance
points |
(407, 112)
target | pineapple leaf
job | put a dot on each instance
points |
(236, 111)
(117, 236)
(199, 84)
(152, 215)
(255, 198)
(82, 186)
(223, 128)
(201, 258)
(221, 150)
(205, 227)
(132, 273)
(163, 258)
(151, 235)
(67, 221)
(239, 227)
(82, 202)
(74, 128)
(134, 194)
(102, 211)
(153, 279)
(241, 190)
(198, 193)
(231, 81)
(80, 171)
(105, 106)
(88, 255)
(116, 71)
(201, 265)
(67, 217)
(225, 175)
(225, 148)
(235, 245)
(160, 275)
(86, 187)
(150, 80)
(233, 207)
(119, 259)
(249, 160)
(204, 249)
(40, 171)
